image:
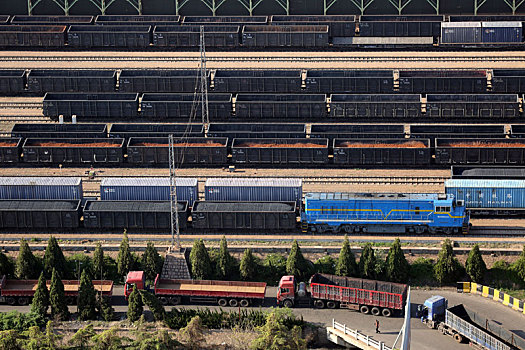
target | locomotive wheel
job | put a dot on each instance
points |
(364, 309)
(223, 302)
(375, 311)
(244, 303)
(234, 302)
(386, 312)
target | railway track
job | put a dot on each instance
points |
(21, 105)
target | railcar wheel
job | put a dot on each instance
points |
(234, 302)
(331, 304)
(288, 303)
(244, 303)
(164, 301)
(319, 304)
(222, 302)
(23, 301)
(386, 312)
(375, 311)
(364, 309)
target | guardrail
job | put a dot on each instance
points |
(360, 337)
(494, 294)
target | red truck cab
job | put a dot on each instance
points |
(134, 278)
(286, 291)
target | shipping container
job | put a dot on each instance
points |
(501, 32)
(56, 20)
(244, 215)
(280, 151)
(284, 81)
(455, 131)
(183, 106)
(12, 82)
(480, 151)
(34, 36)
(282, 107)
(52, 130)
(10, 148)
(140, 215)
(148, 189)
(386, 42)
(188, 150)
(488, 172)
(473, 106)
(399, 29)
(224, 20)
(363, 131)
(382, 152)
(109, 36)
(75, 151)
(101, 105)
(159, 80)
(285, 36)
(150, 20)
(71, 80)
(13, 187)
(508, 80)
(156, 130)
(375, 106)
(39, 214)
(254, 190)
(330, 81)
(189, 36)
(461, 32)
(256, 130)
(338, 25)
(442, 81)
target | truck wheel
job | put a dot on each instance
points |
(376, 311)
(174, 300)
(10, 301)
(163, 301)
(234, 302)
(288, 303)
(223, 302)
(364, 309)
(331, 304)
(458, 337)
(386, 312)
(23, 301)
(244, 303)
(319, 304)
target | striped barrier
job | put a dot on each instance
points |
(494, 294)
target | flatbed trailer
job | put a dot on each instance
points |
(21, 292)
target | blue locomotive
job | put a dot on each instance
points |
(384, 213)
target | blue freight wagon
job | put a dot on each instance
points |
(13, 187)
(384, 213)
(489, 197)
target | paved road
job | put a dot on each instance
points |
(422, 337)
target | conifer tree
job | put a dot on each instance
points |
(519, 266)
(397, 266)
(367, 262)
(201, 268)
(296, 264)
(225, 262)
(124, 258)
(98, 262)
(26, 263)
(248, 266)
(447, 268)
(7, 267)
(57, 298)
(151, 262)
(346, 264)
(40, 302)
(86, 298)
(135, 305)
(54, 258)
(475, 266)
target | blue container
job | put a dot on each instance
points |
(479, 193)
(40, 188)
(501, 32)
(254, 190)
(148, 189)
(460, 32)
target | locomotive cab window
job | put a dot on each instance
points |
(443, 209)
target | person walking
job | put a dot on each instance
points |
(377, 326)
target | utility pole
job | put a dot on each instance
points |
(175, 230)
(204, 83)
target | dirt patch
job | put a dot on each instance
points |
(187, 144)
(70, 144)
(7, 144)
(409, 144)
(477, 144)
(278, 145)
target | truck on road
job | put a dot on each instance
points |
(323, 290)
(465, 325)
(21, 292)
(176, 291)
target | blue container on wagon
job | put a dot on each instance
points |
(501, 32)
(14, 187)
(148, 189)
(460, 32)
(254, 190)
(479, 193)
